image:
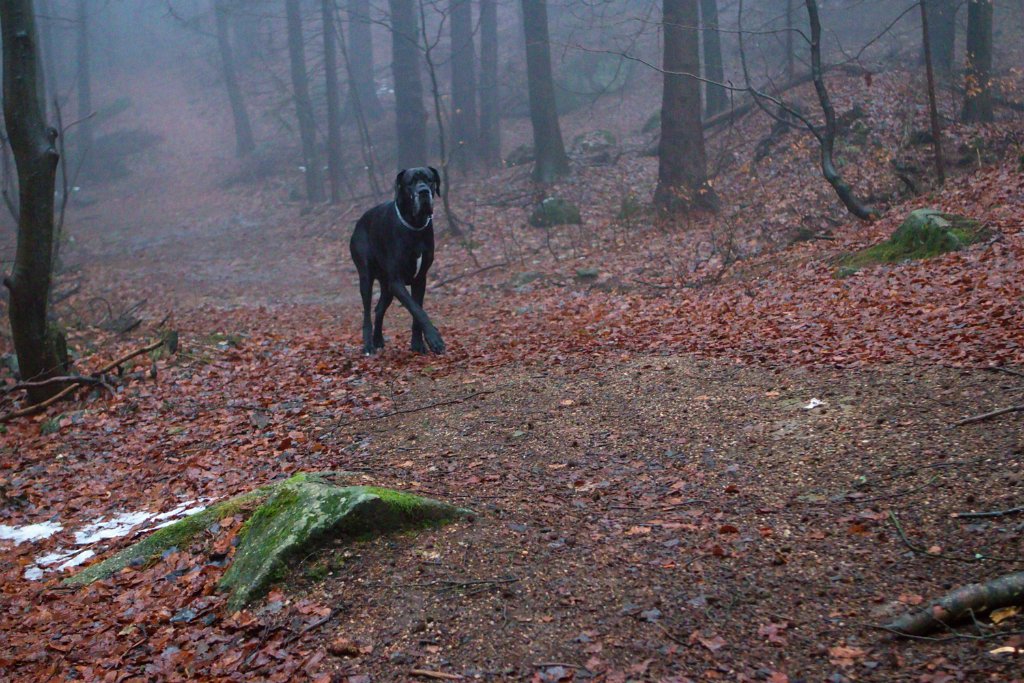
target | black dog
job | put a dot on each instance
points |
(393, 243)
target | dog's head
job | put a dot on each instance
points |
(415, 189)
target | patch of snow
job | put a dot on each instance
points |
(814, 403)
(33, 573)
(59, 555)
(29, 532)
(76, 560)
(115, 527)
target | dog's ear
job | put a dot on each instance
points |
(437, 180)
(398, 181)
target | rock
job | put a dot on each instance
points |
(587, 274)
(308, 509)
(343, 647)
(595, 147)
(555, 211)
(924, 234)
(293, 516)
(520, 156)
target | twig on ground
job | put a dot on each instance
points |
(990, 513)
(986, 416)
(567, 665)
(405, 411)
(1000, 368)
(455, 278)
(977, 557)
(440, 675)
(306, 629)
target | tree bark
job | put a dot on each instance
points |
(715, 96)
(790, 51)
(84, 81)
(490, 117)
(827, 135)
(244, 142)
(39, 345)
(464, 116)
(303, 104)
(682, 164)
(360, 53)
(933, 110)
(549, 149)
(977, 83)
(335, 173)
(410, 114)
(942, 34)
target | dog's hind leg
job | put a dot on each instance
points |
(386, 297)
(419, 287)
(366, 292)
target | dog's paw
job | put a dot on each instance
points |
(417, 346)
(378, 343)
(369, 350)
(435, 342)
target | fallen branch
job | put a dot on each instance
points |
(990, 513)
(78, 379)
(975, 598)
(170, 340)
(986, 416)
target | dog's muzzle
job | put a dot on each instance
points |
(423, 197)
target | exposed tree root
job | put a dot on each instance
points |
(976, 598)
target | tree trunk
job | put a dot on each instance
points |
(682, 170)
(464, 117)
(549, 150)
(360, 52)
(715, 96)
(84, 78)
(47, 53)
(490, 118)
(410, 115)
(244, 143)
(827, 136)
(790, 54)
(335, 174)
(933, 110)
(942, 34)
(303, 104)
(40, 346)
(977, 83)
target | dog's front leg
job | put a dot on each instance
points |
(430, 332)
(366, 292)
(419, 288)
(378, 322)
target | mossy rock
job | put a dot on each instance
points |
(594, 141)
(924, 234)
(293, 517)
(555, 211)
(520, 156)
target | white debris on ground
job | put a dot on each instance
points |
(29, 532)
(100, 529)
(814, 403)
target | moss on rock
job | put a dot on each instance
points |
(555, 211)
(301, 514)
(924, 234)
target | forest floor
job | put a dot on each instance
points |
(710, 460)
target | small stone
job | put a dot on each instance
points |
(344, 647)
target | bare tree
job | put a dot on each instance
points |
(244, 142)
(360, 54)
(715, 97)
(84, 81)
(549, 149)
(977, 83)
(410, 115)
(490, 117)
(464, 118)
(941, 18)
(40, 346)
(682, 164)
(933, 110)
(303, 104)
(335, 173)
